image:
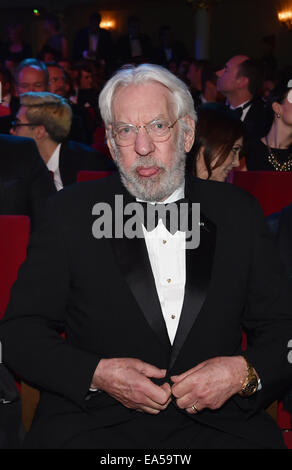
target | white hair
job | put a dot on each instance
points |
(144, 73)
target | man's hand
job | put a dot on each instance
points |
(128, 381)
(209, 384)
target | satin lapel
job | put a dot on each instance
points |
(132, 257)
(67, 165)
(199, 263)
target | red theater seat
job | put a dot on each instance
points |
(284, 422)
(14, 236)
(273, 189)
(86, 175)
(99, 141)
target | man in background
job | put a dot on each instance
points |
(240, 81)
(46, 118)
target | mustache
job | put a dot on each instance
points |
(147, 162)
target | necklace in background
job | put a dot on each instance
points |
(285, 166)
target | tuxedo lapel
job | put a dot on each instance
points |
(67, 165)
(133, 259)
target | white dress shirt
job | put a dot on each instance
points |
(53, 166)
(167, 258)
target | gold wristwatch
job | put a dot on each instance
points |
(250, 385)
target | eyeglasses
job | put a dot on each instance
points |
(16, 124)
(159, 131)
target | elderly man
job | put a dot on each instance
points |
(46, 118)
(240, 81)
(152, 355)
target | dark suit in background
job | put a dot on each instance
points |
(25, 183)
(76, 275)
(258, 119)
(104, 51)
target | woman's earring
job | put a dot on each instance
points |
(278, 115)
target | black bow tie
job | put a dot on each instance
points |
(173, 215)
(237, 112)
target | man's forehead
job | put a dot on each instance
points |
(142, 93)
(31, 71)
(55, 71)
(142, 103)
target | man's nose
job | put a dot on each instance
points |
(143, 143)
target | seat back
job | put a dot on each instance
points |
(14, 236)
(273, 189)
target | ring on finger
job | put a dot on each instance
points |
(194, 408)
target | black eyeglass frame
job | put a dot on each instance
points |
(15, 124)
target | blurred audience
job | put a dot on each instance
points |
(46, 118)
(94, 42)
(218, 143)
(169, 49)
(194, 76)
(7, 99)
(15, 50)
(134, 47)
(56, 42)
(209, 93)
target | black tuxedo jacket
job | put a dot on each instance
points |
(75, 156)
(25, 182)
(258, 119)
(284, 237)
(101, 293)
(124, 53)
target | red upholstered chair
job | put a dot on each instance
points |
(85, 175)
(284, 422)
(99, 141)
(273, 189)
(14, 236)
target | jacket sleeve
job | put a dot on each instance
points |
(40, 183)
(32, 331)
(267, 319)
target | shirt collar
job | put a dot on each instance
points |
(53, 163)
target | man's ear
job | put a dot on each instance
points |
(109, 143)
(243, 81)
(40, 132)
(189, 134)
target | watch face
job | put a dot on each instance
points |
(251, 387)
